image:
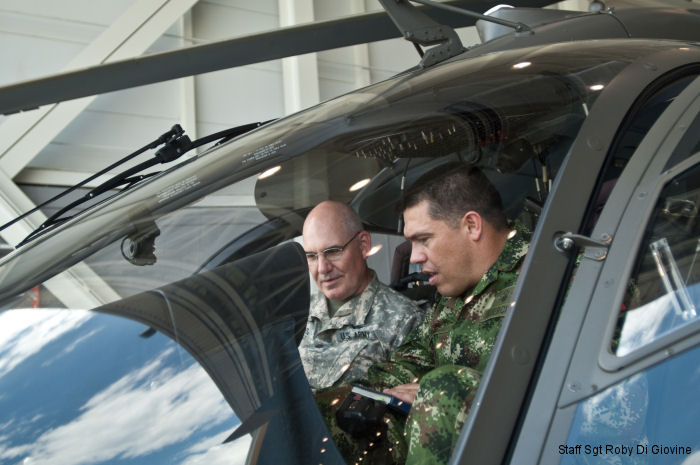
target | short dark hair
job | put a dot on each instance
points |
(452, 190)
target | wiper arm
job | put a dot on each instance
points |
(161, 140)
(176, 144)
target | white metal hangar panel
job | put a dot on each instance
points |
(59, 145)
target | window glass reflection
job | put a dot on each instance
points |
(663, 292)
(83, 388)
(652, 414)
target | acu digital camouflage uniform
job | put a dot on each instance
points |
(363, 331)
(446, 355)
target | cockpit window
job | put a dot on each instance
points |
(663, 293)
(162, 250)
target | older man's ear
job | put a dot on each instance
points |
(365, 240)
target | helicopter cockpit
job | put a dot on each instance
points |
(193, 282)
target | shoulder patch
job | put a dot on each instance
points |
(500, 303)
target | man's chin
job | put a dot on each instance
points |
(450, 291)
(442, 287)
(332, 291)
(446, 290)
(335, 295)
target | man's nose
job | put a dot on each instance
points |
(324, 265)
(417, 255)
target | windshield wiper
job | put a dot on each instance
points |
(175, 144)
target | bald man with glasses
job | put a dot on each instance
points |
(355, 320)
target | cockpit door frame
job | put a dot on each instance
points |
(587, 362)
(503, 395)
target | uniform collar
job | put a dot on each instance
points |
(513, 251)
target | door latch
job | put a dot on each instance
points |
(594, 249)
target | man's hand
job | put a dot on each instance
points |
(405, 392)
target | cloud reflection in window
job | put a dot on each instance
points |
(24, 333)
(165, 409)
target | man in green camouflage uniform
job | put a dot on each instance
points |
(454, 219)
(355, 320)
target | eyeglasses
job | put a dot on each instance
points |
(331, 254)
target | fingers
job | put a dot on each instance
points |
(405, 392)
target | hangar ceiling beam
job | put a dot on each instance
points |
(79, 287)
(13, 202)
(23, 136)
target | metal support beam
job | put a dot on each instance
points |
(361, 52)
(72, 287)
(299, 73)
(23, 136)
(81, 288)
(12, 201)
(188, 102)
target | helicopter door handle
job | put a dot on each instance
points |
(595, 249)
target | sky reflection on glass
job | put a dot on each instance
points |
(80, 388)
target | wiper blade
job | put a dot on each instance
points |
(161, 140)
(117, 181)
(175, 144)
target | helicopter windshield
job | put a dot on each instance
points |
(173, 276)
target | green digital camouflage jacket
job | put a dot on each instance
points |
(458, 331)
(446, 354)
